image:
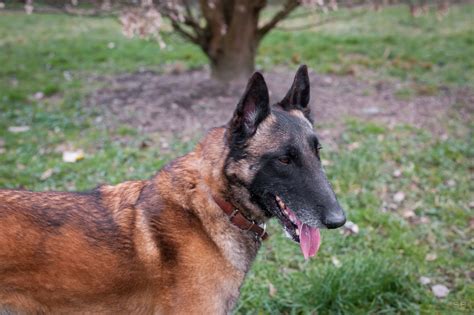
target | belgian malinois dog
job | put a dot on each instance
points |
(183, 241)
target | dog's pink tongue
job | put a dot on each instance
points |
(310, 240)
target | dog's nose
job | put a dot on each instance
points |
(334, 219)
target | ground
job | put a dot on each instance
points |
(393, 106)
(181, 103)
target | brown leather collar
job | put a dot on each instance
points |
(239, 220)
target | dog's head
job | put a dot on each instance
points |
(274, 168)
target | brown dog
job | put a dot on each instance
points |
(174, 244)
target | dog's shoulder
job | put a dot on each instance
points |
(119, 196)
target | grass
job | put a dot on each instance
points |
(393, 43)
(378, 268)
(381, 265)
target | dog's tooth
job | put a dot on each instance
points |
(297, 232)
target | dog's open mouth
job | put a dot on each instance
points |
(308, 237)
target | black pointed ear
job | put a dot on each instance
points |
(298, 95)
(252, 109)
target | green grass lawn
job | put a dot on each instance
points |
(393, 43)
(378, 268)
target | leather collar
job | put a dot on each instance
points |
(239, 220)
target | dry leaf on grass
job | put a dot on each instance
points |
(451, 183)
(399, 197)
(18, 129)
(397, 173)
(38, 95)
(431, 257)
(336, 262)
(352, 146)
(407, 214)
(425, 280)
(73, 156)
(271, 289)
(440, 291)
(46, 174)
(351, 228)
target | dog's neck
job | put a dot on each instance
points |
(201, 173)
(213, 151)
(239, 220)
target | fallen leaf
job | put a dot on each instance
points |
(371, 110)
(46, 174)
(431, 257)
(17, 129)
(164, 144)
(352, 146)
(424, 220)
(336, 262)
(451, 183)
(73, 156)
(397, 173)
(440, 291)
(425, 280)
(67, 75)
(399, 197)
(351, 228)
(392, 206)
(38, 95)
(271, 289)
(407, 214)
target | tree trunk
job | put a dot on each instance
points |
(233, 38)
(235, 59)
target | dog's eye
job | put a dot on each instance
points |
(284, 159)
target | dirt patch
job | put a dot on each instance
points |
(188, 102)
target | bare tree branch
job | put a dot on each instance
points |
(192, 37)
(190, 20)
(288, 7)
(178, 20)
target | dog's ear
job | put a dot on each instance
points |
(251, 110)
(298, 95)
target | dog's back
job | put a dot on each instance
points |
(118, 249)
(67, 248)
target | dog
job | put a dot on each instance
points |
(182, 241)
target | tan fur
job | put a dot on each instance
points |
(160, 246)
